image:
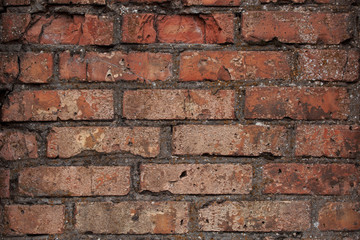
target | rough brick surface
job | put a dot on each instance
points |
(9, 68)
(34, 219)
(74, 181)
(297, 103)
(63, 29)
(327, 140)
(51, 105)
(255, 216)
(16, 145)
(133, 217)
(323, 179)
(14, 25)
(16, 2)
(178, 104)
(213, 2)
(97, 2)
(65, 142)
(151, 28)
(329, 65)
(235, 140)
(339, 216)
(4, 183)
(296, 27)
(234, 65)
(36, 67)
(196, 178)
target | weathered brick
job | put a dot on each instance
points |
(302, 103)
(196, 178)
(132, 217)
(9, 68)
(65, 142)
(34, 219)
(14, 25)
(327, 140)
(16, 145)
(234, 65)
(4, 183)
(296, 27)
(98, 2)
(150, 28)
(178, 104)
(323, 179)
(258, 216)
(275, 1)
(144, 66)
(138, 28)
(328, 65)
(50, 105)
(235, 140)
(76, 29)
(16, 2)
(339, 216)
(72, 66)
(36, 67)
(213, 2)
(75, 181)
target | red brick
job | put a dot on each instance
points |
(234, 140)
(75, 181)
(36, 67)
(114, 66)
(14, 25)
(196, 178)
(322, 179)
(301, 103)
(340, 216)
(141, 1)
(16, 145)
(63, 29)
(4, 183)
(234, 65)
(16, 2)
(327, 140)
(274, 1)
(213, 2)
(178, 104)
(34, 219)
(72, 66)
(50, 105)
(132, 217)
(258, 216)
(211, 28)
(66, 142)
(9, 67)
(99, 2)
(328, 65)
(138, 28)
(296, 27)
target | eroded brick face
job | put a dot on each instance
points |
(183, 119)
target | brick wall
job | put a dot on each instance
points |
(192, 119)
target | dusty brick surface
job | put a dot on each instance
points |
(233, 140)
(323, 179)
(133, 217)
(213, 2)
(327, 140)
(178, 104)
(34, 219)
(14, 25)
(65, 105)
(17, 145)
(75, 181)
(296, 27)
(36, 67)
(65, 142)
(234, 65)
(339, 216)
(297, 103)
(196, 178)
(9, 68)
(267, 216)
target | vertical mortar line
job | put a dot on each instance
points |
(69, 216)
(175, 71)
(237, 27)
(240, 93)
(118, 104)
(56, 67)
(165, 142)
(117, 29)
